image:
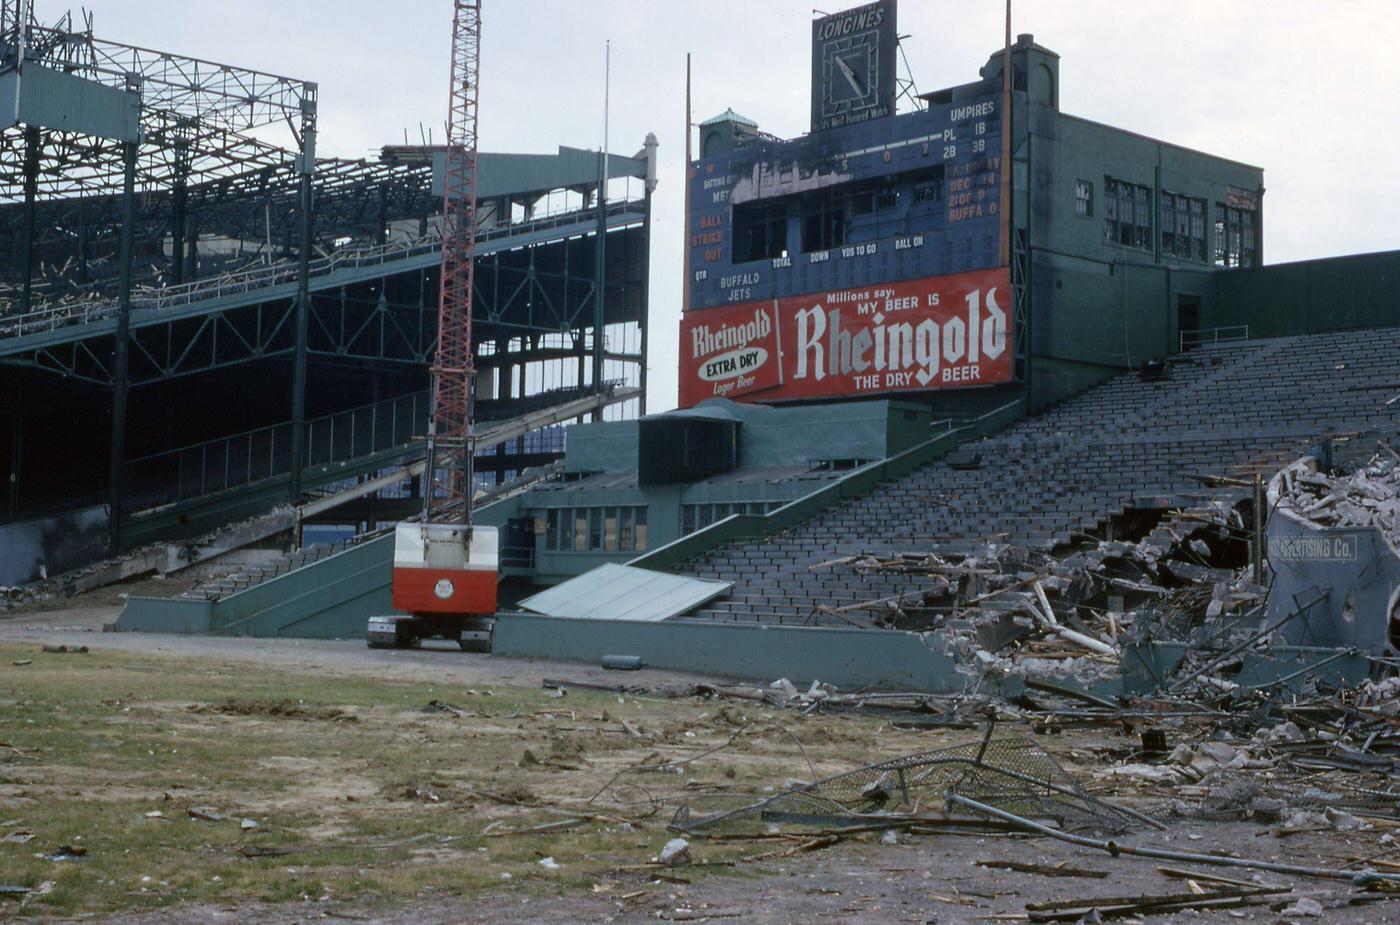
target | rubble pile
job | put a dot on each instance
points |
(1368, 496)
(1011, 611)
(155, 558)
(1296, 767)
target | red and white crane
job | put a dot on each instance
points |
(444, 566)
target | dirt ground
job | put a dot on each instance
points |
(367, 804)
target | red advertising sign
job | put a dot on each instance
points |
(935, 333)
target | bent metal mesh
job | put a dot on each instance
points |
(1016, 775)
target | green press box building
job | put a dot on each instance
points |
(1137, 248)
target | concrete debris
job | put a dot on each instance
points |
(674, 852)
(1010, 612)
(1305, 906)
(155, 559)
(1368, 496)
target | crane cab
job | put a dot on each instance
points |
(444, 581)
(445, 568)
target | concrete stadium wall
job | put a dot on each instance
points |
(849, 658)
(166, 615)
(330, 598)
(1099, 307)
(57, 544)
(1308, 297)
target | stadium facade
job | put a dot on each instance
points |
(858, 306)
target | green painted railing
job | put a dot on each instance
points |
(858, 482)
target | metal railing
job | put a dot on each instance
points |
(1189, 339)
(202, 469)
(52, 317)
(257, 455)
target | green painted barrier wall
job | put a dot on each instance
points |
(851, 659)
(1308, 297)
(329, 599)
(332, 598)
(166, 615)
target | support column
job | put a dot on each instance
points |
(178, 198)
(380, 232)
(582, 364)
(646, 295)
(306, 166)
(303, 310)
(650, 147)
(191, 272)
(506, 392)
(600, 279)
(33, 146)
(121, 354)
(16, 453)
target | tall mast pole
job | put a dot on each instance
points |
(1007, 175)
(601, 265)
(685, 250)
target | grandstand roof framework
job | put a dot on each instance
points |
(167, 216)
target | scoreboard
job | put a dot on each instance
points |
(890, 226)
(944, 167)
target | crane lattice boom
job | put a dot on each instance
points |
(450, 445)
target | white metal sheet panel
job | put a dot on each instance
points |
(621, 592)
(418, 545)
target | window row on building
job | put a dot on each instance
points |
(1128, 221)
(699, 516)
(614, 528)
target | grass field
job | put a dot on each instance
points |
(352, 790)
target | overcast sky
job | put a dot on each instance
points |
(1308, 90)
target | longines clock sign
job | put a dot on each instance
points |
(853, 65)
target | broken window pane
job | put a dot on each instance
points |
(1127, 213)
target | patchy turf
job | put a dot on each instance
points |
(361, 790)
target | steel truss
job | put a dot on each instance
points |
(205, 126)
(391, 319)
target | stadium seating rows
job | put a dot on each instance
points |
(1227, 409)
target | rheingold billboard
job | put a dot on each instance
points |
(918, 335)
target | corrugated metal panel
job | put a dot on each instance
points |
(621, 592)
(63, 102)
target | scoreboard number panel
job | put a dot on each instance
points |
(941, 166)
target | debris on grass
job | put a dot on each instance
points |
(674, 852)
(278, 709)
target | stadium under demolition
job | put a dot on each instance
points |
(990, 416)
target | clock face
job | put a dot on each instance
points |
(850, 74)
(853, 58)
